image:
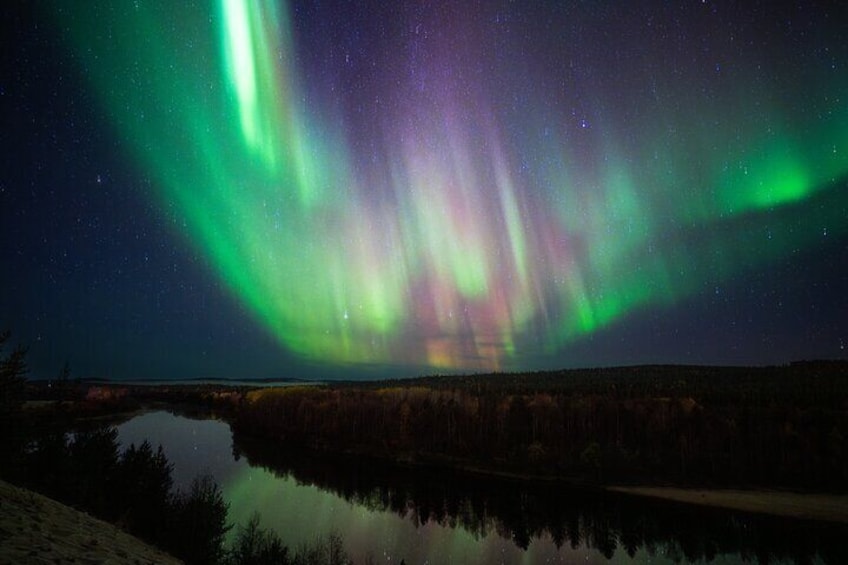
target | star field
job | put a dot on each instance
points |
(234, 188)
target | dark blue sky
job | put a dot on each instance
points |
(101, 270)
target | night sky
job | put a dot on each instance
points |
(334, 189)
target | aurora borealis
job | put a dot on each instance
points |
(457, 187)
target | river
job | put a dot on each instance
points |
(387, 514)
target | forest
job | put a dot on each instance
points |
(133, 488)
(710, 426)
(768, 427)
(66, 451)
(524, 511)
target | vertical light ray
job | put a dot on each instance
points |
(482, 225)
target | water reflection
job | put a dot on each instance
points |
(388, 513)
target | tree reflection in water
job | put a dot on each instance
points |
(522, 511)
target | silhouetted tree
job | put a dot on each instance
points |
(47, 465)
(144, 480)
(13, 435)
(199, 523)
(93, 457)
(13, 370)
(327, 550)
(254, 545)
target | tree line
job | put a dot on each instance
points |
(134, 489)
(523, 511)
(86, 470)
(770, 427)
(85, 467)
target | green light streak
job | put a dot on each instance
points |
(448, 249)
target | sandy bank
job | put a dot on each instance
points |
(36, 529)
(827, 507)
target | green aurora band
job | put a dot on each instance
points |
(442, 249)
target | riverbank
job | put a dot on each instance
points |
(824, 507)
(37, 529)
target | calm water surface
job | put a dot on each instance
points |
(389, 514)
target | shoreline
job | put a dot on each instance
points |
(827, 507)
(822, 507)
(819, 506)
